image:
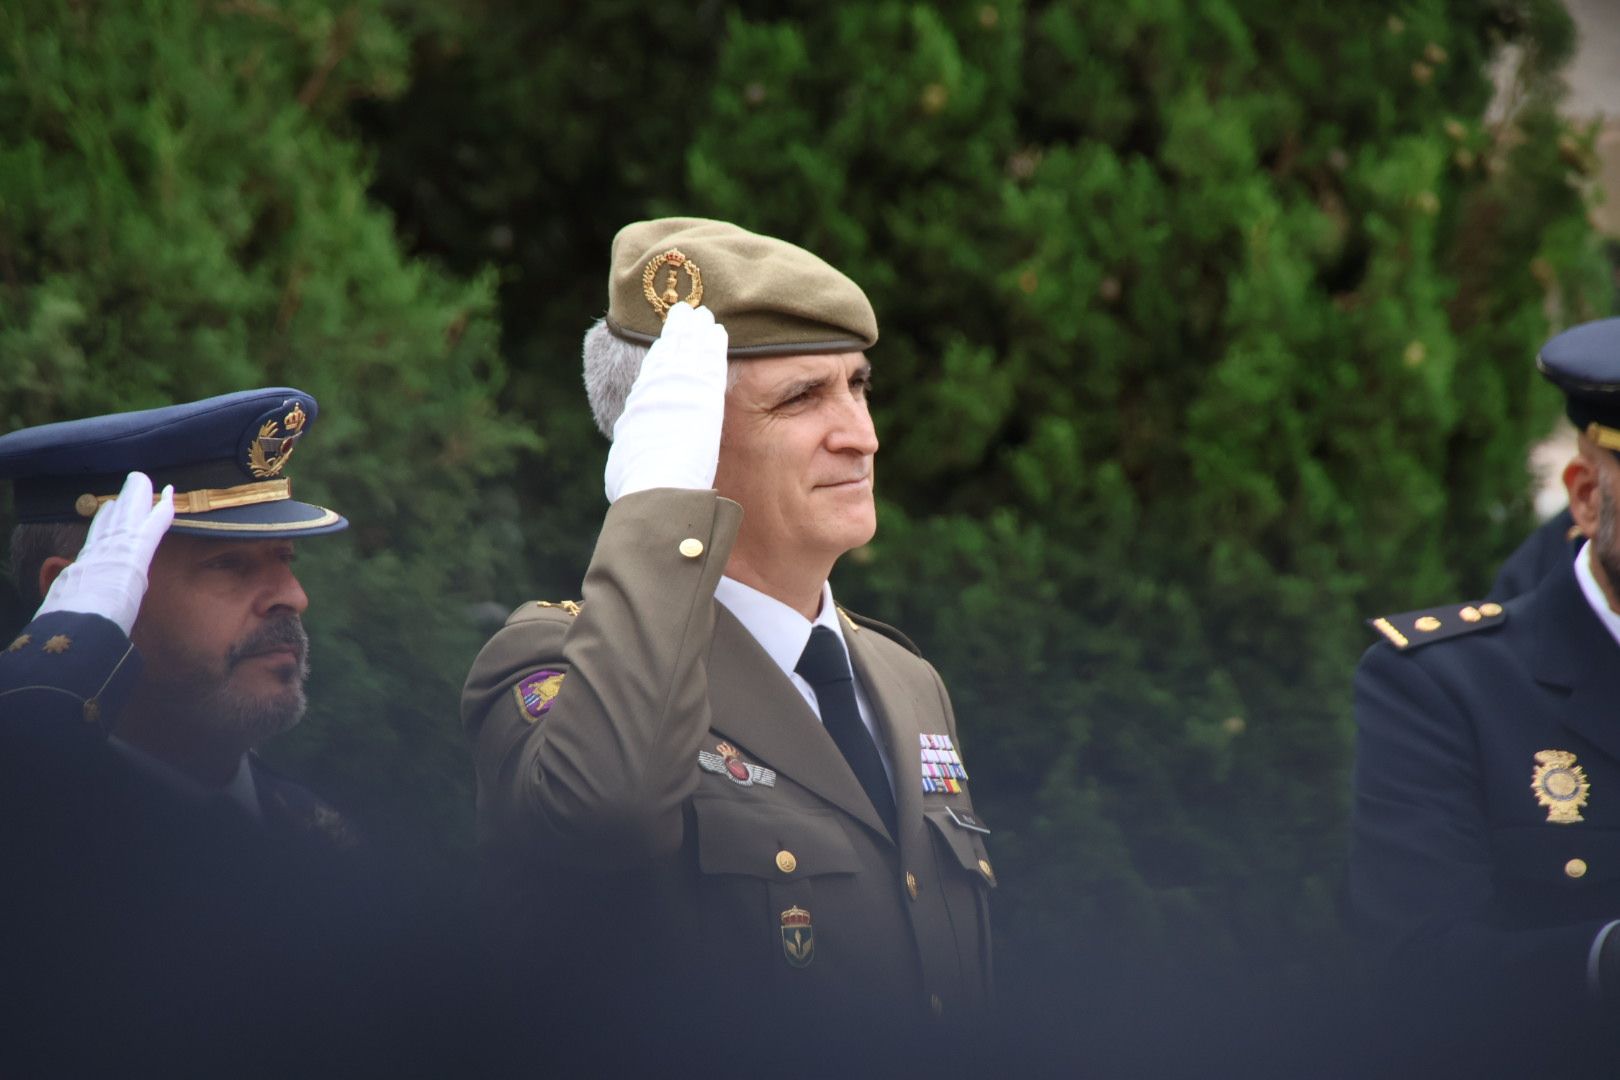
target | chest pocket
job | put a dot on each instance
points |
(965, 844)
(1570, 857)
(775, 843)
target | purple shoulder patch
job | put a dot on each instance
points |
(535, 692)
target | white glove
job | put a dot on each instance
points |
(669, 432)
(109, 576)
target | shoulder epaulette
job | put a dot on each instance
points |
(1415, 628)
(859, 622)
(570, 607)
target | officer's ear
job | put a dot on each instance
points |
(1583, 481)
(48, 571)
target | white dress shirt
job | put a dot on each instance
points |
(1611, 622)
(1594, 593)
(783, 633)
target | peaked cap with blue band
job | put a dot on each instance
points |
(226, 457)
(1584, 362)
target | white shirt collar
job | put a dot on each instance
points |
(240, 788)
(1594, 593)
(781, 632)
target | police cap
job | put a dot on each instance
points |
(226, 457)
(1584, 362)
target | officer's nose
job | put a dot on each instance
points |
(289, 594)
(852, 431)
(280, 588)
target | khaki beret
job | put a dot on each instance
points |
(773, 298)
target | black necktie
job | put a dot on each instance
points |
(826, 668)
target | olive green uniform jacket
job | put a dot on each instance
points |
(605, 841)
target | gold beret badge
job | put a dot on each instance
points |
(662, 301)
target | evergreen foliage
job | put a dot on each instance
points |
(1186, 366)
(1207, 331)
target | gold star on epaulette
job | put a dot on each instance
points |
(1414, 628)
(58, 644)
(20, 643)
(570, 607)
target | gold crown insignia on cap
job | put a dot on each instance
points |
(268, 454)
(662, 301)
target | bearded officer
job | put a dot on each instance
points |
(706, 768)
(1485, 859)
(162, 878)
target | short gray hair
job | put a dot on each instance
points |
(611, 367)
(32, 544)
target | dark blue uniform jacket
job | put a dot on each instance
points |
(151, 932)
(1468, 898)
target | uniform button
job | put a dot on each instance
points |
(92, 711)
(691, 547)
(935, 1005)
(987, 871)
(785, 861)
(911, 884)
(1575, 868)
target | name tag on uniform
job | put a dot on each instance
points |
(968, 820)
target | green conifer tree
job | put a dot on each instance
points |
(1207, 329)
(1197, 347)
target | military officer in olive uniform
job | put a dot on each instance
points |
(706, 769)
(1485, 861)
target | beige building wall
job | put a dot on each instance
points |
(1594, 94)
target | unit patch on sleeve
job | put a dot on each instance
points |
(536, 692)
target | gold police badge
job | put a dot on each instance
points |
(1560, 785)
(669, 296)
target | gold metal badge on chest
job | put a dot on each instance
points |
(1560, 785)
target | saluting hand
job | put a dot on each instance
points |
(669, 432)
(109, 576)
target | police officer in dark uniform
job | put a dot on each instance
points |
(162, 879)
(1484, 873)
